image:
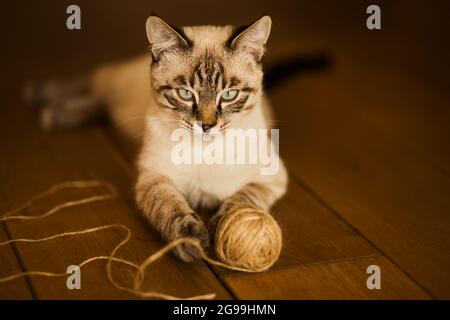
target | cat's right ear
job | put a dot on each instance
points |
(163, 37)
(253, 38)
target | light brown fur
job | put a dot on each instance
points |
(141, 96)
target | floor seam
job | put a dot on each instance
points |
(356, 230)
(305, 265)
(20, 262)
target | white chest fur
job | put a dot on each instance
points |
(201, 183)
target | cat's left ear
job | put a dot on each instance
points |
(163, 38)
(253, 39)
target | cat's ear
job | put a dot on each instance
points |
(163, 37)
(253, 38)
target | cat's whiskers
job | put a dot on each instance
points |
(140, 134)
(186, 125)
(224, 126)
(120, 124)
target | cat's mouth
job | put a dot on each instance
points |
(197, 129)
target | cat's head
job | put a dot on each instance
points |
(207, 75)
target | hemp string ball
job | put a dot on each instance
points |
(248, 238)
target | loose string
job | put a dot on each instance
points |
(65, 185)
(140, 269)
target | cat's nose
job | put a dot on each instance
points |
(207, 127)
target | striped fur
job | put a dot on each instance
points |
(207, 67)
(207, 61)
(216, 59)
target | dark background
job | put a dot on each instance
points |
(413, 38)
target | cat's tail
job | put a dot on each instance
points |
(281, 71)
(65, 103)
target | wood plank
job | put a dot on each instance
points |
(10, 265)
(312, 233)
(33, 161)
(323, 167)
(337, 280)
(358, 157)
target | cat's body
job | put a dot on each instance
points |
(205, 74)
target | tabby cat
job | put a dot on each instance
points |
(205, 78)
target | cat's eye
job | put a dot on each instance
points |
(185, 94)
(229, 95)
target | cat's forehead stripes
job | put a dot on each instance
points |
(207, 68)
(208, 74)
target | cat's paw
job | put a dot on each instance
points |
(191, 227)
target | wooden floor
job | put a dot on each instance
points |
(367, 148)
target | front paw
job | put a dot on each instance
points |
(190, 227)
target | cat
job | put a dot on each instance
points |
(200, 78)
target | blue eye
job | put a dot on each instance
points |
(185, 94)
(229, 95)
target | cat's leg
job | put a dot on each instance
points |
(261, 194)
(65, 104)
(169, 213)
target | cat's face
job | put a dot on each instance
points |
(207, 77)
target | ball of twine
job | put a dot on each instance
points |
(248, 239)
